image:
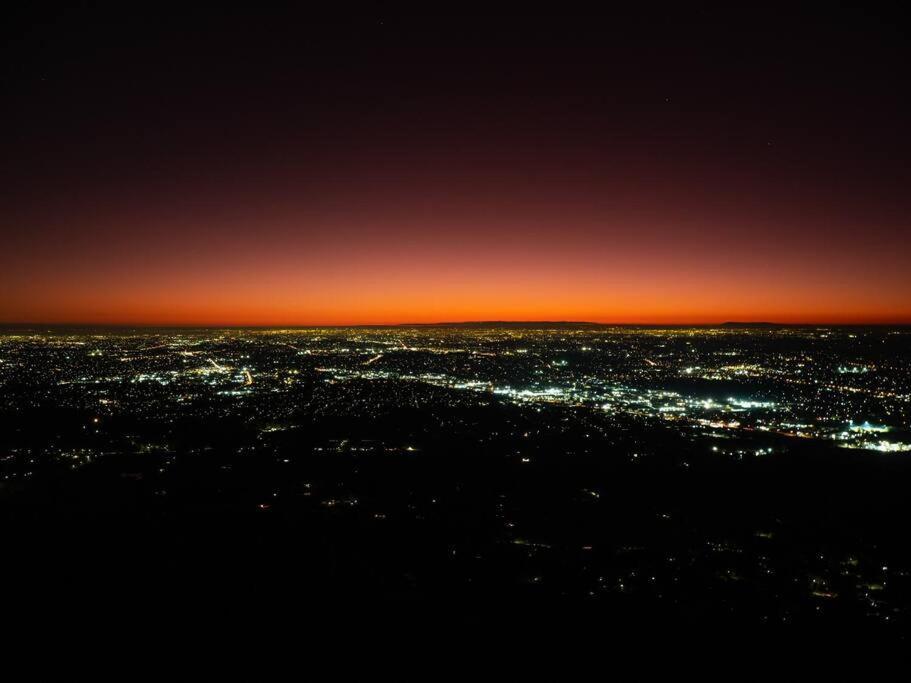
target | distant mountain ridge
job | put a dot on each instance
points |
(536, 324)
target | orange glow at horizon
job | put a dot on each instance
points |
(392, 273)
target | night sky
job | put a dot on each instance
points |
(161, 166)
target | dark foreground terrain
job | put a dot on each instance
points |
(739, 480)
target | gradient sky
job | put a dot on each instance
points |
(287, 169)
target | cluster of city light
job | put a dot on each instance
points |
(617, 398)
(881, 446)
(814, 395)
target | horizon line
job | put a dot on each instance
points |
(448, 323)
